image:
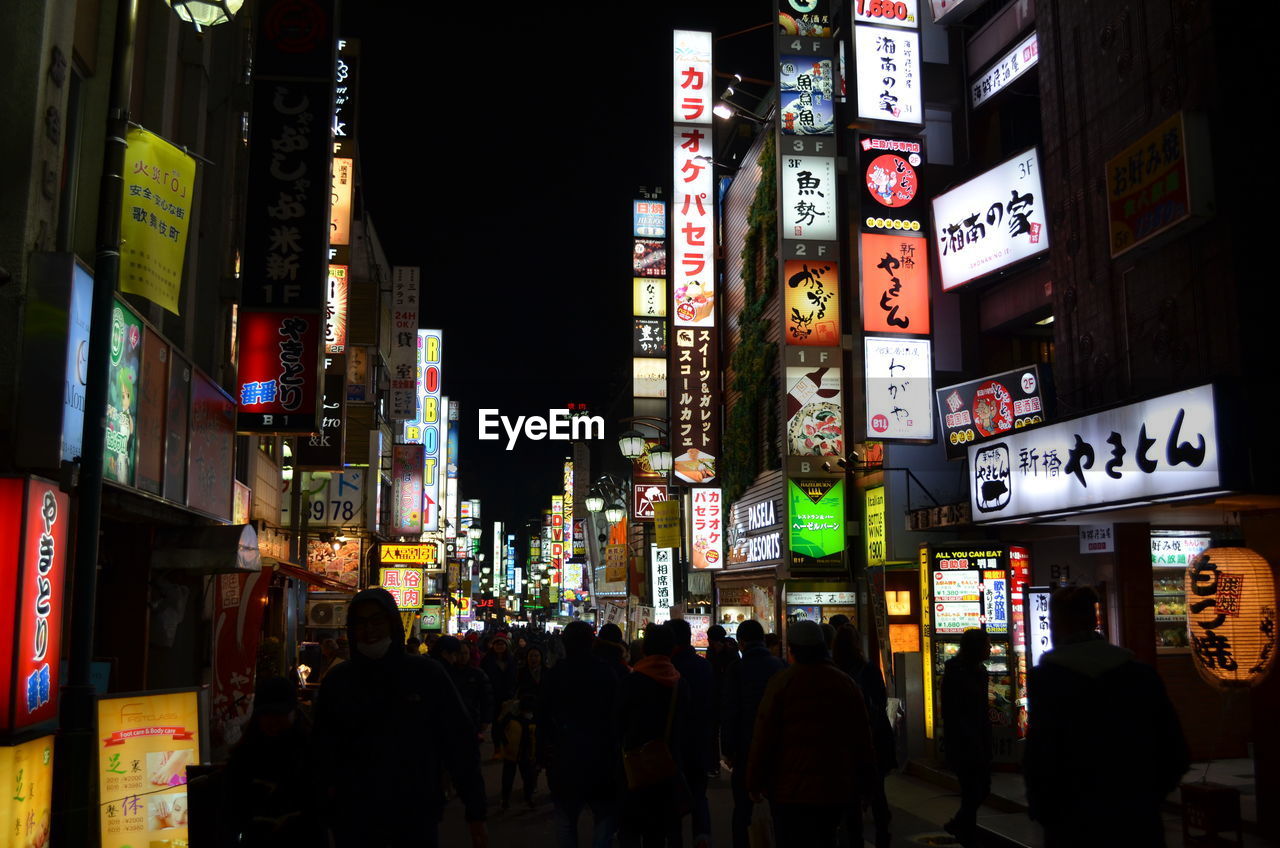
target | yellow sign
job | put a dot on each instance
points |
(27, 769)
(407, 553)
(876, 535)
(666, 523)
(159, 191)
(145, 743)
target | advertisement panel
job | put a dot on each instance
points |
(239, 602)
(992, 221)
(649, 257)
(812, 302)
(890, 169)
(1009, 67)
(875, 521)
(649, 297)
(648, 377)
(888, 71)
(159, 189)
(615, 563)
(335, 316)
(335, 500)
(213, 448)
(403, 360)
(693, 271)
(816, 530)
(899, 379)
(80, 303)
(649, 337)
(815, 420)
(807, 85)
(406, 490)
(1164, 447)
(707, 537)
(887, 12)
(691, 78)
(809, 198)
(649, 219)
(404, 584)
(991, 406)
(120, 452)
(278, 374)
(644, 500)
(151, 412)
(662, 577)
(695, 405)
(146, 740)
(1148, 186)
(176, 417)
(805, 17)
(26, 813)
(895, 284)
(423, 554)
(326, 448)
(430, 357)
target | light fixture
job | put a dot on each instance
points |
(660, 459)
(722, 111)
(1044, 322)
(595, 504)
(631, 443)
(474, 533)
(615, 513)
(205, 13)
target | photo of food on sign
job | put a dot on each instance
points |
(694, 466)
(815, 422)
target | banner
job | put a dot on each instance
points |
(237, 629)
(159, 190)
(27, 770)
(666, 523)
(615, 563)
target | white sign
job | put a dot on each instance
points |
(888, 67)
(693, 232)
(810, 599)
(336, 500)
(764, 548)
(707, 537)
(1176, 551)
(648, 377)
(956, 618)
(663, 578)
(1011, 65)
(808, 198)
(404, 342)
(692, 78)
(1159, 448)
(1097, 538)
(902, 13)
(1039, 636)
(950, 11)
(992, 221)
(899, 377)
(950, 586)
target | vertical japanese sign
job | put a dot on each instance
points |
(695, 404)
(808, 196)
(239, 603)
(663, 580)
(1149, 186)
(899, 388)
(345, 79)
(430, 343)
(812, 302)
(406, 490)
(895, 284)
(557, 542)
(707, 538)
(405, 586)
(145, 743)
(278, 372)
(33, 556)
(404, 343)
(159, 189)
(121, 448)
(888, 69)
(335, 316)
(25, 814)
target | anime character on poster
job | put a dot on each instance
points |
(122, 396)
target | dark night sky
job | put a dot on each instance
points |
(500, 153)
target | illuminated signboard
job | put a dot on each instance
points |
(663, 577)
(649, 297)
(649, 219)
(805, 17)
(890, 168)
(34, 518)
(1008, 68)
(989, 407)
(895, 284)
(899, 379)
(406, 490)
(649, 377)
(335, 322)
(695, 405)
(405, 585)
(25, 813)
(889, 74)
(278, 373)
(809, 198)
(433, 427)
(812, 302)
(693, 272)
(815, 421)
(692, 77)
(901, 13)
(816, 528)
(649, 338)
(807, 85)
(876, 529)
(991, 222)
(160, 734)
(423, 554)
(707, 538)
(340, 209)
(404, 343)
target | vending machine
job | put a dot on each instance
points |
(979, 585)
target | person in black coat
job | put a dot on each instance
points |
(386, 721)
(966, 729)
(609, 647)
(500, 665)
(576, 704)
(848, 657)
(699, 754)
(1104, 745)
(744, 685)
(653, 704)
(472, 684)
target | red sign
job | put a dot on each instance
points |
(34, 516)
(278, 378)
(237, 625)
(895, 284)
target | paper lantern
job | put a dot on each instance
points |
(1231, 616)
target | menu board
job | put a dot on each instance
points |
(995, 601)
(951, 586)
(146, 741)
(956, 618)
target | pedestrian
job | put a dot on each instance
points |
(411, 645)
(610, 648)
(828, 636)
(500, 666)
(519, 748)
(651, 723)
(839, 620)
(812, 750)
(966, 729)
(1104, 745)
(271, 794)
(521, 645)
(773, 642)
(472, 684)
(529, 675)
(699, 752)
(330, 657)
(635, 652)
(722, 657)
(849, 658)
(744, 686)
(553, 651)
(575, 737)
(386, 721)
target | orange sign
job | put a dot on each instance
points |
(813, 302)
(895, 284)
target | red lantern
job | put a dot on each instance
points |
(1231, 616)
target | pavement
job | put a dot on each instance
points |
(921, 800)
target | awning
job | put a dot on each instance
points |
(297, 572)
(224, 549)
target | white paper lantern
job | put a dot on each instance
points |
(1231, 616)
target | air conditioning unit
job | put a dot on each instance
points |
(327, 614)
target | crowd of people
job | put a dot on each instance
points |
(631, 735)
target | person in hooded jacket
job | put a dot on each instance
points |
(532, 671)
(386, 720)
(500, 664)
(1095, 777)
(653, 704)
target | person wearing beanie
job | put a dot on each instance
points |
(812, 749)
(744, 687)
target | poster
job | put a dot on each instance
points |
(707, 538)
(159, 190)
(239, 601)
(816, 522)
(812, 302)
(815, 419)
(956, 618)
(806, 83)
(342, 565)
(895, 284)
(27, 770)
(121, 447)
(146, 740)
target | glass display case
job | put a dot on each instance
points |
(1171, 553)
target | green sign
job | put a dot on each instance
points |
(817, 523)
(121, 447)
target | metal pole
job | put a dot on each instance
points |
(76, 787)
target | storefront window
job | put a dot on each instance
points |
(1171, 553)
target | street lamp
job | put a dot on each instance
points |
(631, 443)
(595, 503)
(615, 513)
(660, 459)
(205, 13)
